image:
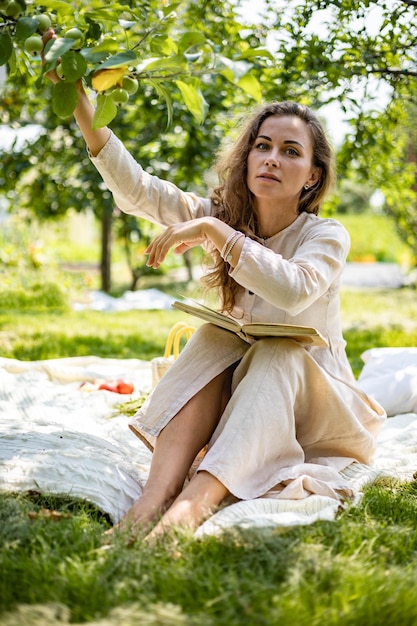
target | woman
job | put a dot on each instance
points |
(279, 417)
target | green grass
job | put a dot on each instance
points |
(374, 318)
(359, 570)
(374, 238)
(132, 334)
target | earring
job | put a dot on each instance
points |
(306, 186)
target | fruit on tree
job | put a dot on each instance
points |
(13, 9)
(119, 96)
(44, 22)
(33, 44)
(130, 84)
(77, 35)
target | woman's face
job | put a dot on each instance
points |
(280, 162)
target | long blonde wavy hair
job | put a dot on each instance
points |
(232, 200)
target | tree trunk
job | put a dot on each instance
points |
(106, 241)
(188, 264)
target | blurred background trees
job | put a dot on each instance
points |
(355, 60)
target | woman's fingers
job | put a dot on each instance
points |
(181, 237)
(47, 36)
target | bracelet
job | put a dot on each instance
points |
(226, 243)
(228, 254)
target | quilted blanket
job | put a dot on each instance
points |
(60, 433)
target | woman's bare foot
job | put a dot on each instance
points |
(142, 516)
(194, 504)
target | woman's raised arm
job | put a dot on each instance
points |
(84, 111)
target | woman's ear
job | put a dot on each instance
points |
(314, 177)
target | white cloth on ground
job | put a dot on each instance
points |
(57, 439)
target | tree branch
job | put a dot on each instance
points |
(390, 72)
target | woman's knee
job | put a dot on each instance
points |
(270, 356)
(211, 333)
(279, 348)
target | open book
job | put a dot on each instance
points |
(304, 334)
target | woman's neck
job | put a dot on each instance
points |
(271, 224)
(273, 218)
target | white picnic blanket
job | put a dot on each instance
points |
(56, 437)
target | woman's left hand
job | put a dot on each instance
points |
(181, 237)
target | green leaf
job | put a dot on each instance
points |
(255, 53)
(105, 112)
(12, 63)
(64, 99)
(74, 66)
(94, 56)
(25, 27)
(228, 74)
(175, 63)
(127, 57)
(55, 50)
(110, 13)
(166, 95)
(94, 31)
(171, 8)
(251, 86)
(6, 47)
(190, 39)
(59, 6)
(193, 99)
(101, 52)
(163, 45)
(237, 72)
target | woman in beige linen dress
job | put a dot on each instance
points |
(280, 418)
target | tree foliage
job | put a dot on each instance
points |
(183, 74)
(150, 42)
(198, 65)
(361, 54)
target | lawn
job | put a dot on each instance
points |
(55, 567)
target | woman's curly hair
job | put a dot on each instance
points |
(232, 200)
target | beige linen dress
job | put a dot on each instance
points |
(296, 416)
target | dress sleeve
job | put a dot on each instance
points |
(138, 193)
(294, 283)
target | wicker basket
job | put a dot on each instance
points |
(161, 364)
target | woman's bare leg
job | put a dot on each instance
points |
(175, 450)
(193, 505)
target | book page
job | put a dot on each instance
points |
(209, 315)
(305, 334)
(278, 329)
